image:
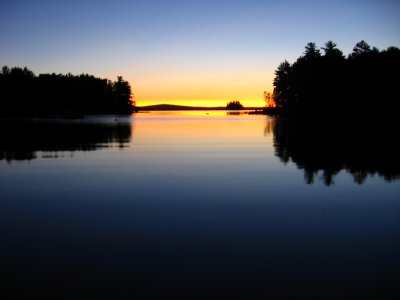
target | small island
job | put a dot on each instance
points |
(234, 105)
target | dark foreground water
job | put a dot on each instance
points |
(197, 205)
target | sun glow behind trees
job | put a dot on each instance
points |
(269, 100)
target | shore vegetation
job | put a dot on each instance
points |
(25, 94)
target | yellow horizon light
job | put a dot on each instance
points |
(199, 103)
(204, 89)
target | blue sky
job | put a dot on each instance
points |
(200, 52)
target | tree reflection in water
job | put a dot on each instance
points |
(22, 139)
(362, 148)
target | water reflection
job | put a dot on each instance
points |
(198, 207)
(321, 150)
(23, 139)
(269, 126)
(362, 150)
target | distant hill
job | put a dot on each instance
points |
(176, 107)
(181, 107)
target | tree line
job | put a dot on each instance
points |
(331, 84)
(25, 94)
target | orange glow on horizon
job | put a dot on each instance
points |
(202, 88)
(200, 103)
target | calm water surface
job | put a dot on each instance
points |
(193, 205)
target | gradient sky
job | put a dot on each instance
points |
(186, 52)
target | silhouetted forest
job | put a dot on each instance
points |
(22, 139)
(330, 84)
(25, 94)
(323, 150)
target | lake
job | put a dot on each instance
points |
(197, 205)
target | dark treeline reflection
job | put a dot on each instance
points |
(20, 140)
(364, 149)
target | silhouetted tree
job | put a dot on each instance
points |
(332, 80)
(122, 94)
(283, 91)
(269, 99)
(312, 52)
(360, 48)
(306, 80)
(332, 52)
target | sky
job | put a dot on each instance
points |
(203, 53)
